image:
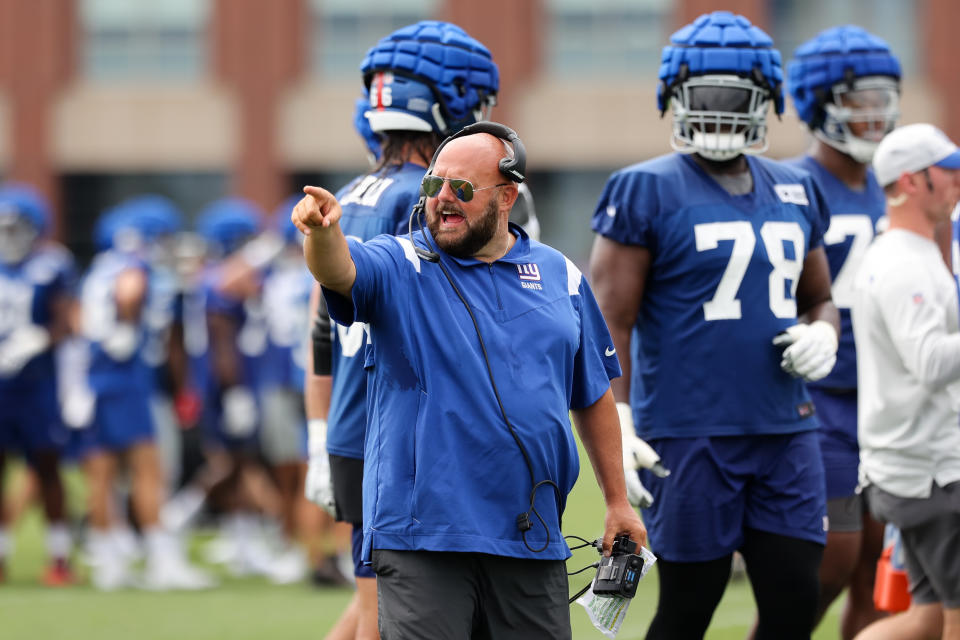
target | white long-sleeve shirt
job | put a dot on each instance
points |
(908, 362)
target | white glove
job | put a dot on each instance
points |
(811, 350)
(77, 407)
(637, 494)
(637, 454)
(239, 412)
(22, 346)
(319, 483)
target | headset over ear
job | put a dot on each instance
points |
(513, 168)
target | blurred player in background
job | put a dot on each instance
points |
(423, 82)
(845, 85)
(36, 281)
(114, 297)
(713, 257)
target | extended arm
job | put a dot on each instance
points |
(317, 215)
(599, 430)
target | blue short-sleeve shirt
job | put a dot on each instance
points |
(442, 471)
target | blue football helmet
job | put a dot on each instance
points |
(362, 125)
(429, 76)
(155, 215)
(719, 75)
(24, 217)
(846, 76)
(282, 222)
(227, 224)
(117, 228)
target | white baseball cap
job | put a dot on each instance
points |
(912, 148)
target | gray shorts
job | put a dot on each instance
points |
(846, 514)
(432, 594)
(283, 425)
(930, 530)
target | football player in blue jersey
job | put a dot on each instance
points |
(423, 82)
(845, 85)
(231, 368)
(113, 297)
(34, 315)
(713, 258)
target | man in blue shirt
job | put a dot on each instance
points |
(845, 85)
(478, 351)
(422, 82)
(710, 257)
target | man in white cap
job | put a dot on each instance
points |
(908, 344)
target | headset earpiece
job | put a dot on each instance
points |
(513, 168)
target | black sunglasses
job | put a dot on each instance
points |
(463, 189)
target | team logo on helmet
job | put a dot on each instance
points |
(429, 76)
(845, 84)
(719, 75)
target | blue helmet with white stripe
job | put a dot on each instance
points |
(845, 84)
(24, 217)
(718, 75)
(429, 76)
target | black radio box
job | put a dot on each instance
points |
(619, 574)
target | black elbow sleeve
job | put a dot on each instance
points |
(321, 338)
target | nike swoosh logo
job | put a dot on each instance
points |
(610, 351)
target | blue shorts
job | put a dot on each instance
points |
(30, 419)
(120, 421)
(838, 440)
(721, 485)
(360, 570)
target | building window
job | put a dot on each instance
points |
(345, 29)
(609, 38)
(793, 22)
(130, 41)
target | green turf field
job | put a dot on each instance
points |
(254, 609)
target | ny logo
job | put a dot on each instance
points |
(529, 272)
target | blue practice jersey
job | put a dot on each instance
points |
(97, 297)
(721, 286)
(854, 217)
(27, 294)
(286, 303)
(442, 471)
(372, 205)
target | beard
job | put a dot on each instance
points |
(474, 236)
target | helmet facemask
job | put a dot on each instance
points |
(719, 116)
(859, 114)
(17, 237)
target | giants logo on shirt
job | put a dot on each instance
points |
(529, 276)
